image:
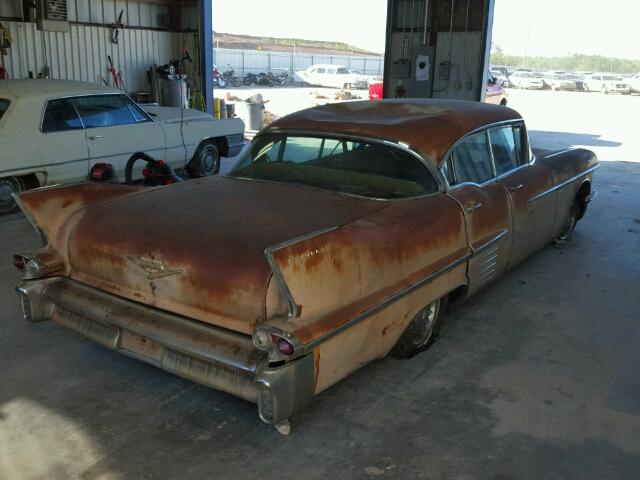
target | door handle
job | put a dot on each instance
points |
(515, 188)
(95, 137)
(472, 208)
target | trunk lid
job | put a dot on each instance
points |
(197, 248)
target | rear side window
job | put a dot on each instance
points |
(505, 152)
(104, 111)
(4, 106)
(60, 116)
(471, 160)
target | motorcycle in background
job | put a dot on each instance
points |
(229, 76)
(282, 78)
(249, 79)
(218, 79)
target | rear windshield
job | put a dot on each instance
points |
(357, 167)
(4, 106)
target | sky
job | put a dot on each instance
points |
(558, 27)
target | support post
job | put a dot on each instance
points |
(206, 44)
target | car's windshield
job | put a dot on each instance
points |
(611, 78)
(4, 106)
(357, 167)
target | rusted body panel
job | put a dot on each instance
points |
(339, 277)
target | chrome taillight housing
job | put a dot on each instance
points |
(42, 265)
(279, 344)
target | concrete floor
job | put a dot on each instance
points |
(537, 377)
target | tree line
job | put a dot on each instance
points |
(576, 62)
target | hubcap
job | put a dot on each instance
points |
(7, 188)
(423, 323)
(208, 162)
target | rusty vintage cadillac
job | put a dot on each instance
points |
(340, 236)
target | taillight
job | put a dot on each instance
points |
(284, 347)
(101, 172)
(19, 262)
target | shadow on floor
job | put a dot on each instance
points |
(557, 140)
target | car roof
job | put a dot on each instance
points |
(326, 65)
(46, 89)
(429, 126)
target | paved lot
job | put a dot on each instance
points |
(537, 377)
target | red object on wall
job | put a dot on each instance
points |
(4, 75)
(376, 91)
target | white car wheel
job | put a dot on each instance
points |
(8, 187)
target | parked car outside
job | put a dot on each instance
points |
(561, 81)
(606, 83)
(634, 84)
(500, 77)
(335, 76)
(495, 92)
(347, 230)
(526, 80)
(54, 132)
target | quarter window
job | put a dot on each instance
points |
(138, 114)
(472, 161)
(4, 106)
(103, 111)
(60, 115)
(505, 152)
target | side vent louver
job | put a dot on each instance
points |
(53, 15)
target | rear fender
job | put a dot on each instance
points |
(50, 209)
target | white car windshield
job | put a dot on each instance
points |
(4, 106)
(356, 167)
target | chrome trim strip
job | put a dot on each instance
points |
(490, 242)
(564, 183)
(393, 298)
(277, 274)
(559, 153)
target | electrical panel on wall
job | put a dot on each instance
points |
(411, 59)
(437, 48)
(53, 16)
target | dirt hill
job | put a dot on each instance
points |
(248, 42)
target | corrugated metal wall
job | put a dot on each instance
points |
(82, 53)
(255, 61)
(462, 50)
(136, 14)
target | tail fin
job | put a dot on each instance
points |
(48, 209)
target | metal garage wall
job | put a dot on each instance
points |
(81, 54)
(462, 50)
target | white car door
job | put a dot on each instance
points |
(60, 149)
(116, 128)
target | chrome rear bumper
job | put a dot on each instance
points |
(203, 353)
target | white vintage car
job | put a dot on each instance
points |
(336, 76)
(56, 131)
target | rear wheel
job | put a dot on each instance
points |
(205, 163)
(8, 187)
(422, 330)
